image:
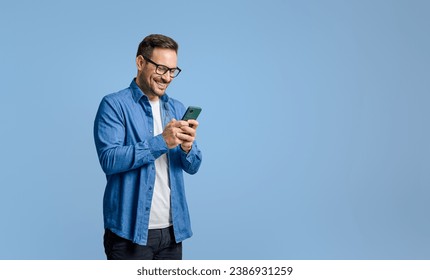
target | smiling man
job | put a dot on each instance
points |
(143, 148)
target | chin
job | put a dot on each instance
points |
(161, 93)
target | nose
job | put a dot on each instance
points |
(166, 77)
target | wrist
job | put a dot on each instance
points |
(185, 150)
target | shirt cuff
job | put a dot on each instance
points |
(157, 146)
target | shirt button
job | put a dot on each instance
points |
(147, 208)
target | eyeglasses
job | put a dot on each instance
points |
(162, 69)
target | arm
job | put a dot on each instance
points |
(192, 160)
(109, 135)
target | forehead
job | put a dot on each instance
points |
(165, 57)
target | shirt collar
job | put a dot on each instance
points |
(138, 94)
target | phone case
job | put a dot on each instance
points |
(192, 113)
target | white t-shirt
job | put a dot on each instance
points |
(160, 215)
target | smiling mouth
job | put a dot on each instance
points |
(162, 85)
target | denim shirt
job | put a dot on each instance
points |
(127, 150)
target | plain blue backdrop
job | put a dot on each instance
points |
(314, 126)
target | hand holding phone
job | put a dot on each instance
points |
(189, 133)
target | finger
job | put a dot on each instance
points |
(180, 123)
(188, 130)
(184, 137)
(171, 123)
(193, 123)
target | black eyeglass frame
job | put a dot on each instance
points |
(157, 67)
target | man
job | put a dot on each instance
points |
(143, 148)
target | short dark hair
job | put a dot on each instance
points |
(150, 42)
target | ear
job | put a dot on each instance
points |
(139, 62)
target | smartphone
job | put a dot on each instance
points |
(192, 113)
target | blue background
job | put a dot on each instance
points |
(314, 126)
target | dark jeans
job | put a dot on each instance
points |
(161, 245)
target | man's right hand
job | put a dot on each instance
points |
(171, 131)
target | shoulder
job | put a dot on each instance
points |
(118, 100)
(119, 96)
(116, 103)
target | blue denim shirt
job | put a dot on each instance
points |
(127, 149)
